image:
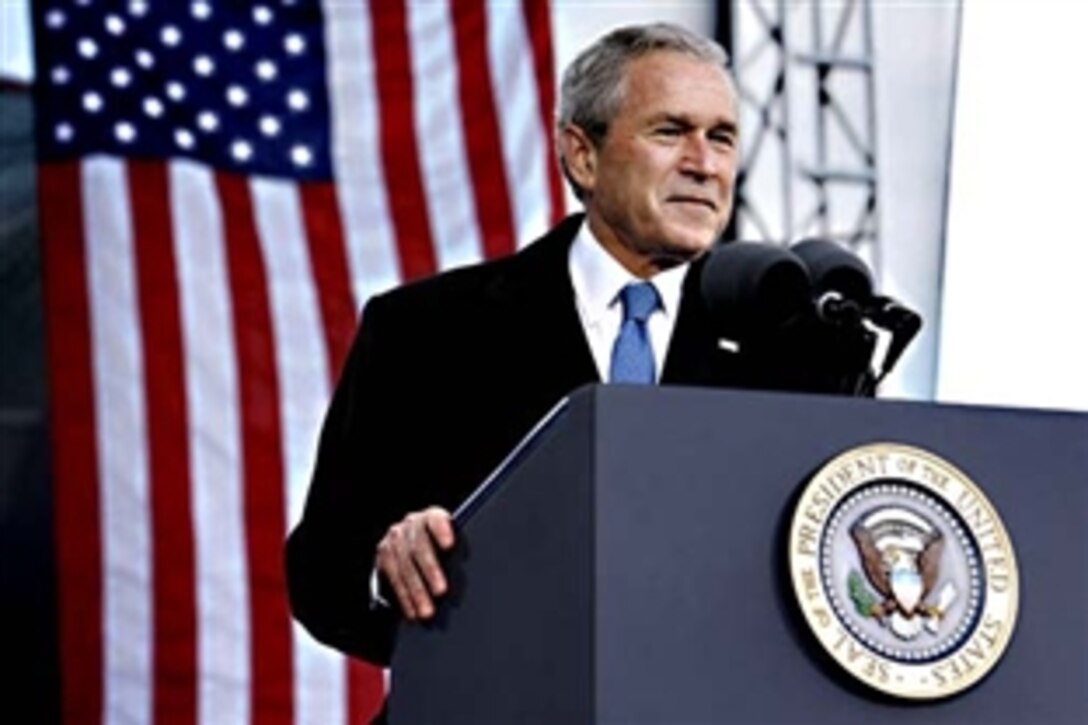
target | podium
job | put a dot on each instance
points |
(628, 564)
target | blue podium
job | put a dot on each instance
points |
(628, 565)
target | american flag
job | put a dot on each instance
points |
(222, 185)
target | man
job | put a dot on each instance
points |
(447, 374)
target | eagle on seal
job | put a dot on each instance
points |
(902, 568)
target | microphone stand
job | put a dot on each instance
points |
(848, 346)
(845, 329)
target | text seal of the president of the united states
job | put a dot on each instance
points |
(903, 570)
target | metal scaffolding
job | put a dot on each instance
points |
(805, 76)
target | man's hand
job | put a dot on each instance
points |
(406, 556)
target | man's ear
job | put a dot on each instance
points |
(580, 156)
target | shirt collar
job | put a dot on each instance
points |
(598, 278)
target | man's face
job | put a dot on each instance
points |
(659, 188)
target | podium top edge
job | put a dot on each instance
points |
(607, 390)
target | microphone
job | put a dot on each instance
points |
(843, 287)
(753, 288)
(841, 282)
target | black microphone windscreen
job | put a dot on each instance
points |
(833, 269)
(753, 287)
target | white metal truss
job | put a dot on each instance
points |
(805, 75)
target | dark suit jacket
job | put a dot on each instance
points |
(445, 376)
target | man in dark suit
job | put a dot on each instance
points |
(448, 374)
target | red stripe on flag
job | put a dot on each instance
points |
(328, 257)
(271, 690)
(174, 598)
(400, 153)
(538, 21)
(366, 691)
(76, 504)
(481, 129)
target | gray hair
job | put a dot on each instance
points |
(593, 84)
(592, 88)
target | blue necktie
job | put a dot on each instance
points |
(632, 356)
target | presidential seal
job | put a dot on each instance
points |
(903, 570)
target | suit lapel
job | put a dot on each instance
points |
(694, 356)
(537, 297)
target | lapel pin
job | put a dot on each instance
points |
(728, 345)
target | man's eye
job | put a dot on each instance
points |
(668, 131)
(724, 139)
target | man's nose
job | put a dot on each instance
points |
(700, 160)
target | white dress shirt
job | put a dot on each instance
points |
(598, 278)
